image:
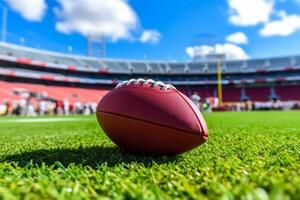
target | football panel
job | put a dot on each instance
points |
(142, 137)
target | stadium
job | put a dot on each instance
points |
(37, 72)
(115, 116)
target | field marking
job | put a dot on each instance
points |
(43, 120)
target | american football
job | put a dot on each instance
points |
(150, 99)
(145, 116)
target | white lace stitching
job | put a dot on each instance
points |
(155, 84)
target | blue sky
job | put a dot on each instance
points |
(159, 29)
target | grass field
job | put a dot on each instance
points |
(248, 156)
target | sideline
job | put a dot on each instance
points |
(44, 120)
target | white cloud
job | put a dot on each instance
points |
(114, 19)
(231, 51)
(285, 26)
(31, 10)
(150, 36)
(237, 38)
(250, 12)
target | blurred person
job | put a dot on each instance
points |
(86, 109)
(59, 108)
(71, 109)
(78, 108)
(296, 106)
(3, 109)
(42, 107)
(275, 105)
(249, 105)
(66, 107)
(15, 106)
(94, 107)
(51, 106)
(10, 107)
(196, 99)
(23, 107)
(238, 107)
(30, 110)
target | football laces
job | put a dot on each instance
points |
(144, 82)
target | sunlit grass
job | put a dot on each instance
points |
(248, 155)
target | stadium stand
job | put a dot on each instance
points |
(232, 66)
(156, 68)
(232, 94)
(258, 94)
(117, 67)
(288, 93)
(139, 67)
(196, 68)
(9, 91)
(177, 68)
(60, 74)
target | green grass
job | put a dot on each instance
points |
(248, 156)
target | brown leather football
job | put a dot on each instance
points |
(144, 116)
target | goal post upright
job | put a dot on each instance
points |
(218, 58)
(214, 57)
(220, 85)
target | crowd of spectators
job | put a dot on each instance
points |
(27, 107)
(212, 104)
(261, 106)
(41, 107)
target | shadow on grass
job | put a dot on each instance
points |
(92, 156)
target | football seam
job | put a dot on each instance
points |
(202, 128)
(154, 123)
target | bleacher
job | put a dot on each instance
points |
(139, 67)
(117, 67)
(233, 66)
(127, 67)
(259, 75)
(177, 67)
(288, 93)
(60, 93)
(231, 94)
(280, 63)
(255, 65)
(196, 68)
(156, 68)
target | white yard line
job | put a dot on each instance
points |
(42, 120)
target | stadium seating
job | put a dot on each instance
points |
(117, 66)
(256, 64)
(288, 93)
(177, 67)
(139, 67)
(196, 67)
(156, 68)
(212, 68)
(296, 61)
(55, 92)
(44, 67)
(233, 66)
(258, 94)
(280, 63)
(231, 94)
